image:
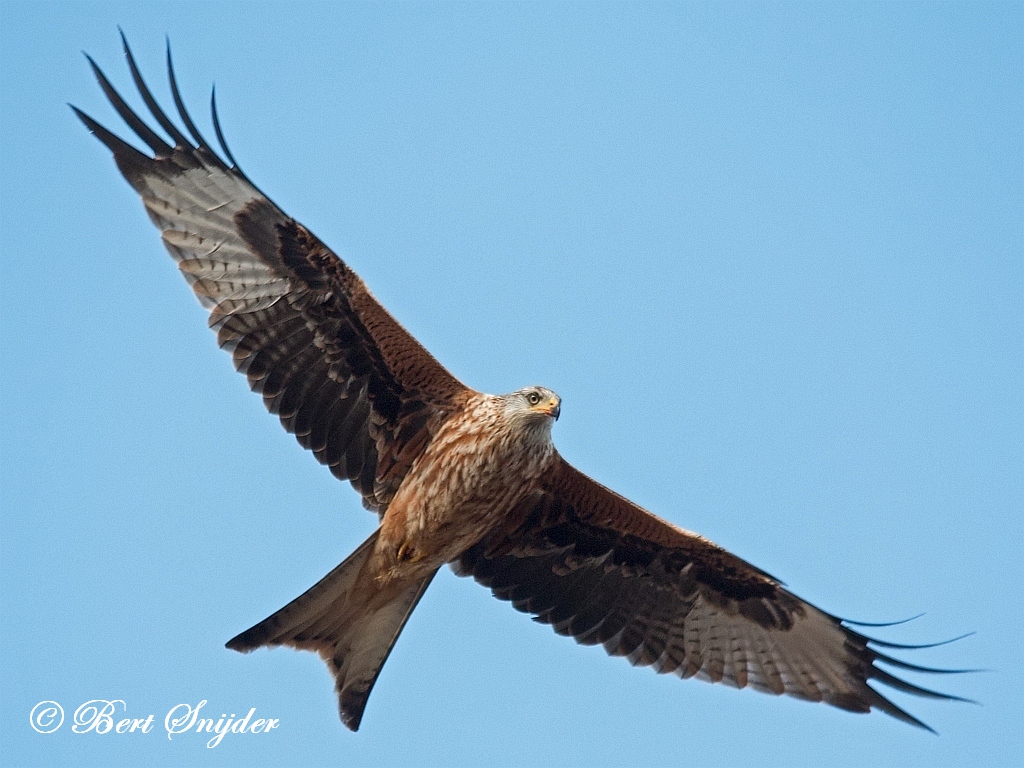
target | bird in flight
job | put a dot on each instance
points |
(457, 476)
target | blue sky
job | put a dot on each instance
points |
(769, 255)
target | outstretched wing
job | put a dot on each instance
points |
(602, 570)
(343, 376)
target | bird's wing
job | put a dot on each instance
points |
(352, 385)
(602, 570)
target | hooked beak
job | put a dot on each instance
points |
(553, 408)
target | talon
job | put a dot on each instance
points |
(406, 553)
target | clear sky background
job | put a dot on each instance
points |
(769, 255)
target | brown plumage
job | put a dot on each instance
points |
(455, 475)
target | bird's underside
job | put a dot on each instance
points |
(457, 476)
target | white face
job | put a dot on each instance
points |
(538, 404)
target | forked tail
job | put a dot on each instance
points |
(351, 631)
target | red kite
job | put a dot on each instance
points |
(457, 476)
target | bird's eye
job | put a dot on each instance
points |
(533, 398)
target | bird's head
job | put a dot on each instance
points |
(537, 405)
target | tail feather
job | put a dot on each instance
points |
(357, 664)
(352, 631)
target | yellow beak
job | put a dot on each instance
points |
(552, 408)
